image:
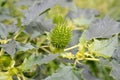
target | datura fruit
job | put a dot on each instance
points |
(60, 36)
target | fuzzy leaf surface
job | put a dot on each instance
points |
(10, 47)
(104, 47)
(64, 73)
(102, 28)
(37, 9)
(3, 31)
(115, 72)
(34, 60)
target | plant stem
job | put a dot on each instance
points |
(92, 59)
(45, 50)
(25, 41)
(75, 46)
(2, 51)
(19, 31)
(87, 54)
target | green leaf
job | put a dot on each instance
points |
(12, 28)
(5, 17)
(83, 39)
(34, 60)
(37, 9)
(10, 47)
(104, 48)
(87, 75)
(115, 72)
(24, 47)
(38, 27)
(64, 73)
(116, 55)
(102, 28)
(3, 31)
(83, 17)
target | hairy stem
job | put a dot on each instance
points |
(45, 50)
(92, 59)
(75, 46)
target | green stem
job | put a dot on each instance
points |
(18, 78)
(2, 51)
(23, 76)
(75, 46)
(87, 54)
(18, 34)
(92, 59)
(25, 41)
(45, 50)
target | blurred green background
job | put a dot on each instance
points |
(12, 11)
(110, 7)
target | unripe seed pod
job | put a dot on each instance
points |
(60, 36)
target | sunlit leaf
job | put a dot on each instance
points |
(104, 47)
(34, 60)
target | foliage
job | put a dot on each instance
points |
(109, 7)
(57, 40)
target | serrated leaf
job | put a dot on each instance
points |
(33, 27)
(38, 27)
(37, 9)
(116, 55)
(48, 58)
(34, 60)
(83, 17)
(3, 31)
(24, 47)
(64, 73)
(10, 47)
(87, 75)
(115, 72)
(104, 48)
(12, 28)
(104, 62)
(103, 28)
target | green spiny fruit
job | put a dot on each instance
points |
(60, 36)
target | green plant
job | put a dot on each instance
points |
(76, 44)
